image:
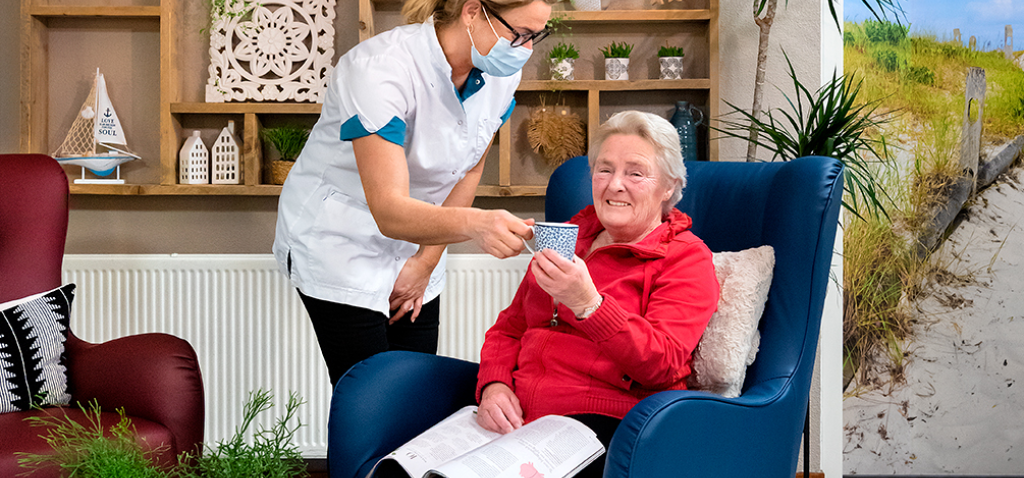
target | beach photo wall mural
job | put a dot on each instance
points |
(934, 284)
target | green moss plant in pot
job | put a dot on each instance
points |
(288, 141)
(671, 60)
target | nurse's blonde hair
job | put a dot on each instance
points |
(448, 11)
(660, 134)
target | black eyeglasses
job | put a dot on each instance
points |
(521, 39)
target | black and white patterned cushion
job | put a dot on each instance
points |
(33, 331)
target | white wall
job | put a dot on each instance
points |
(804, 29)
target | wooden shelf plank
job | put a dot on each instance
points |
(210, 190)
(104, 189)
(615, 85)
(627, 16)
(59, 11)
(258, 190)
(490, 190)
(244, 108)
(174, 190)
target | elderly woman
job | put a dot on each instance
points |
(591, 337)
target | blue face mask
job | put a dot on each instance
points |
(504, 59)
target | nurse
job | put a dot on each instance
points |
(390, 170)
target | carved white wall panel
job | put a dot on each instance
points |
(280, 52)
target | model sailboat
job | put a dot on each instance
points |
(96, 141)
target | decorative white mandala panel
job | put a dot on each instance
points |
(282, 51)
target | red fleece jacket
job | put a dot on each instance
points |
(658, 297)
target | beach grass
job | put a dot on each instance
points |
(920, 80)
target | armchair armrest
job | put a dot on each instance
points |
(386, 400)
(152, 376)
(708, 435)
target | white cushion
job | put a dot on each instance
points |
(731, 340)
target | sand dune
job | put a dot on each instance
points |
(961, 410)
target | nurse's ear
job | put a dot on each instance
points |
(470, 10)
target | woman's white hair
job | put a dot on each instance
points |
(659, 133)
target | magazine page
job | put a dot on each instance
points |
(549, 447)
(450, 438)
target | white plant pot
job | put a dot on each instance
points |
(587, 5)
(616, 68)
(671, 67)
(562, 69)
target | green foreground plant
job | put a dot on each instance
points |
(270, 455)
(288, 140)
(90, 451)
(83, 451)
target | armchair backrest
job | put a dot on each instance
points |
(33, 224)
(792, 206)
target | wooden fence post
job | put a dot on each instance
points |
(956, 37)
(1008, 43)
(974, 108)
(973, 45)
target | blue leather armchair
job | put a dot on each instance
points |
(793, 206)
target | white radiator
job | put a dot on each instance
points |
(249, 328)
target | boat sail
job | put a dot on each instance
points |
(96, 141)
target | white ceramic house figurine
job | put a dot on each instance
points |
(226, 168)
(194, 161)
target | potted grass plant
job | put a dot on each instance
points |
(671, 60)
(616, 60)
(288, 141)
(87, 449)
(90, 451)
(563, 60)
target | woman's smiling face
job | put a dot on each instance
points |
(629, 187)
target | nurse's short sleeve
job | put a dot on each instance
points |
(375, 98)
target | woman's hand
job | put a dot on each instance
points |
(499, 409)
(500, 233)
(566, 281)
(411, 285)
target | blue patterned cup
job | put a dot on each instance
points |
(559, 237)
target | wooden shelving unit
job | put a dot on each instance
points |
(177, 116)
(519, 172)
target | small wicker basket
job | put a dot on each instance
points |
(279, 170)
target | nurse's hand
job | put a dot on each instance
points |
(500, 233)
(499, 409)
(407, 295)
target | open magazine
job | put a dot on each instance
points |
(549, 447)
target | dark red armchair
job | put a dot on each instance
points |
(154, 377)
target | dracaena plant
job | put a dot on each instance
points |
(827, 122)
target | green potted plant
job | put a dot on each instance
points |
(616, 60)
(270, 455)
(89, 451)
(95, 451)
(563, 60)
(671, 60)
(288, 141)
